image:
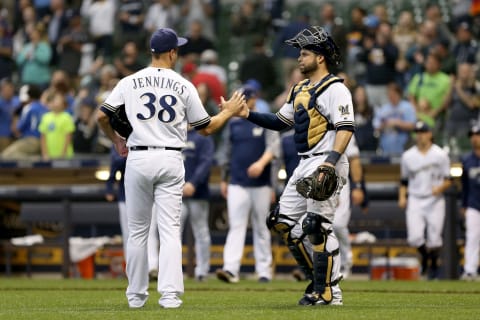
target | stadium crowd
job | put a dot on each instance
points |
(400, 67)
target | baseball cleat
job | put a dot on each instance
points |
(263, 280)
(226, 276)
(314, 299)
(170, 302)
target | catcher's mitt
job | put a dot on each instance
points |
(120, 123)
(320, 190)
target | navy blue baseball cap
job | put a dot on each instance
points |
(165, 39)
(249, 91)
(421, 126)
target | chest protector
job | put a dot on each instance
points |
(310, 124)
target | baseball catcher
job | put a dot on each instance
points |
(320, 185)
(120, 123)
(319, 108)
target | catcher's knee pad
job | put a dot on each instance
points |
(317, 234)
(295, 245)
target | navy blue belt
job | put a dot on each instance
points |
(307, 156)
(143, 148)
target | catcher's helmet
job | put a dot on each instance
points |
(316, 39)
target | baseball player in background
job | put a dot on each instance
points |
(425, 175)
(471, 205)
(159, 104)
(245, 156)
(320, 110)
(353, 190)
(117, 164)
(198, 156)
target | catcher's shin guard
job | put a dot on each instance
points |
(322, 259)
(295, 245)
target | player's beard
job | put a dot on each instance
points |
(308, 69)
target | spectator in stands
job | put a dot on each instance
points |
(417, 54)
(260, 66)
(131, 14)
(216, 88)
(394, 121)
(329, 21)
(56, 21)
(428, 92)
(248, 20)
(34, 59)
(26, 129)
(70, 46)
(356, 32)
(245, 156)
(6, 50)
(466, 48)
(56, 129)
(448, 62)
(471, 205)
(364, 132)
(162, 14)
(197, 43)
(28, 22)
(200, 11)
(129, 61)
(100, 15)
(9, 102)
(60, 82)
(404, 35)
(433, 12)
(209, 64)
(86, 129)
(381, 12)
(463, 107)
(380, 56)
(288, 55)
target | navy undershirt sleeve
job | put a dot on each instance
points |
(267, 120)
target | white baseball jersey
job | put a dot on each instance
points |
(424, 171)
(159, 104)
(335, 104)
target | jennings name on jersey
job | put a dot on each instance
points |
(159, 104)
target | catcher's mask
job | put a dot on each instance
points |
(316, 39)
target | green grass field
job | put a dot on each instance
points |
(22, 298)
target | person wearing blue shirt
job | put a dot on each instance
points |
(28, 143)
(9, 102)
(471, 205)
(117, 164)
(198, 159)
(245, 157)
(394, 121)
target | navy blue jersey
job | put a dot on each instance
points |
(471, 181)
(198, 159)
(117, 164)
(247, 143)
(289, 153)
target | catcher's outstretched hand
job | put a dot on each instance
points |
(320, 185)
